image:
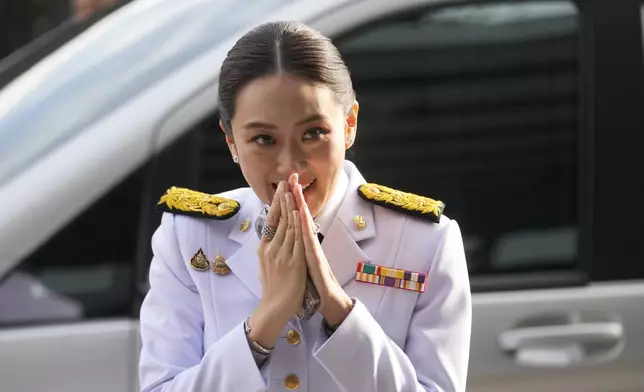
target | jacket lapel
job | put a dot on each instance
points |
(340, 244)
(244, 262)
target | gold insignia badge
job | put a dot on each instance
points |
(245, 225)
(219, 266)
(359, 222)
(203, 205)
(408, 203)
(199, 261)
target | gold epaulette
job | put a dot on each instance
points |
(408, 203)
(193, 203)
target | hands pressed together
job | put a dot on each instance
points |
(284, 262)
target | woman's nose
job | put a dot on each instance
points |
(291, 159)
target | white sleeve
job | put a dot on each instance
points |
(359, 356)
(172, 357)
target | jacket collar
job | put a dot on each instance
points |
(340, 244)
(250, 209)
(326, 217)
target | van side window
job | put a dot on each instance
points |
(478, 106)
(85, 271)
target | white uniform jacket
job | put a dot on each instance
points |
(393, 340)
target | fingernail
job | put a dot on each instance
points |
(296, 178)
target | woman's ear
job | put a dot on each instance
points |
(230, 142)
(351, 127)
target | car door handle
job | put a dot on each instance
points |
(592, 332)
(562, 345)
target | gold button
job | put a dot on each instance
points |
(245, 225)
(293, 337)
(291, 382)
(359, 222)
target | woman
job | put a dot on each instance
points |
(223, 310)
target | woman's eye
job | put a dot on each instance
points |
(264, 139)
(314, 133)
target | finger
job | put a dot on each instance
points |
(290, 204)
(289, 239)
(299, 196)
(308, 236)
(298, 244)
(293, 180)
(283, 221)
(274, 213)
(310, 247)
(307, 222)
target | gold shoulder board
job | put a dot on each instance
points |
(404, 202)
(198, 204)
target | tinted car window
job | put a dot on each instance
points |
(85, 271)
(478, 106)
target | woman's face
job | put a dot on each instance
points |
(284, 125)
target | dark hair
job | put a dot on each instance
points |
(282, 48)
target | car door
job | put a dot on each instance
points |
(66, 311)
(507, 111)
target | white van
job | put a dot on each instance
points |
(523, 116)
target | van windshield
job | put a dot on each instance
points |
(122, 56)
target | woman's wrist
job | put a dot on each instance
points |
(337, 309)
(266, 324)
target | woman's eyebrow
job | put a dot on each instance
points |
(262, 125)
(311, 118)
(259, 124)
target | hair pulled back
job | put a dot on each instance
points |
(282, 47)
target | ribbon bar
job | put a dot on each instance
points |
(391, 277)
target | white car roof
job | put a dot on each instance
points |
(107, 66)
(87, 115)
